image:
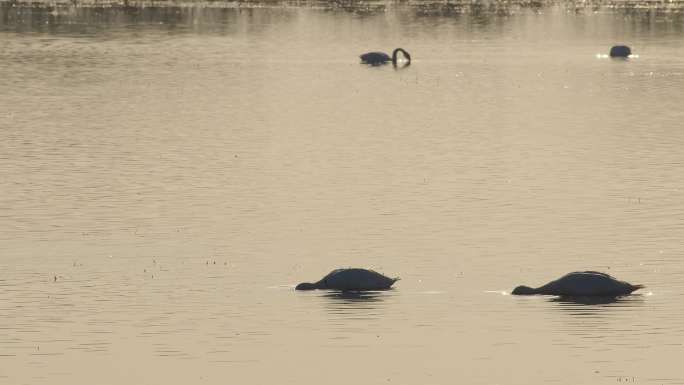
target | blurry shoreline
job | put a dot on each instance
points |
(92, 16)
(445, 7)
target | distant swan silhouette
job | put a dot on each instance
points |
(377, 58)
(620, 51)
(351, 279)
(580, 284)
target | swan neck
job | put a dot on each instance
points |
(396, 51)
(307, 286)
(526, 290)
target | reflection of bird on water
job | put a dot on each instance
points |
(351, 279)
(343, 306)
(620, 51)
(378, 58)
(354, 296)
(587, 300)
(582, 284)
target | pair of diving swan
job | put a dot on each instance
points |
(379, 58)
(577, 284)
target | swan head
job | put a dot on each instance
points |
(406, 55)
(306, 286)
(523, 290)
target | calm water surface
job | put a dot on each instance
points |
(168, 175)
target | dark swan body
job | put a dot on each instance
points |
(582, 284)
(620, 51)
(377, 58)
(351, 280)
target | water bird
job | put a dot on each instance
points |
(620, 51)
(378, 58)
(582, 284)
(352, 279)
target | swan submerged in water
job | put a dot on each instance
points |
(351, 280)
(582, 284)
(620, 51)
(378, 58)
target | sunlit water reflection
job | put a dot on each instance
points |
(170, 173)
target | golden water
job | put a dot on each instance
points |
(168, 175)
